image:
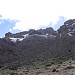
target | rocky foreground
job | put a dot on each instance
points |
(48, 67)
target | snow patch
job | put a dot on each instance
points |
(25, 35)
(73, 24)
(16, 39)
(46, 35)
(40, 35)
(43, 36)
(69, 34)
(66, 24)
(13, 39)
(20, 39)
(60, 35)
(73, 29)
(52, 35)
(69, 29)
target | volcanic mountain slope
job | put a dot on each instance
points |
(7, 53)
(42, 44)
(34, 44)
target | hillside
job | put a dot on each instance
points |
(40, 45)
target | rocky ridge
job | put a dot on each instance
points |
(42, 44)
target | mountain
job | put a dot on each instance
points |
(42, 44)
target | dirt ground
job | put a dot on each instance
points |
(41, 68)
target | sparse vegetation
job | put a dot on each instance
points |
(70, 67)
(12, 67)
(54, 70)
(13, 73)
(48, 65)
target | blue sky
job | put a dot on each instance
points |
(7, 26)
(22, 15)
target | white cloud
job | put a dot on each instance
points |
(10, 30)
(0, 22)
(33, 13)
(1, 19)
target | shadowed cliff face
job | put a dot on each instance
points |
(39, 44)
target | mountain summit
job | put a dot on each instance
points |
(42, 44)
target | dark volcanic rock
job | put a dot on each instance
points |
(7, 53)
(39, 44)
(68, 27)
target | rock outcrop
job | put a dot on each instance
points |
(40, 44)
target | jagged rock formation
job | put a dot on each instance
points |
(40, 44)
